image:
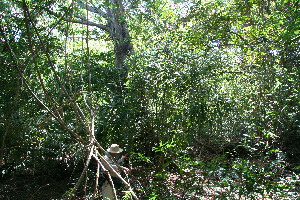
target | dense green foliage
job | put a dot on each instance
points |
(211, 89)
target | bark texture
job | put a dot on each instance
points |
(113, 13)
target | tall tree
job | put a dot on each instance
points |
(113, 14)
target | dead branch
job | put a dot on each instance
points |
(83, 172)
(115, 172)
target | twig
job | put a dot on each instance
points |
(83, 172)
(97, 175)
(113, 186)
(38, 190)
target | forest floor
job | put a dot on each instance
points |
(45, 187)
(198, 187)
(29, 187)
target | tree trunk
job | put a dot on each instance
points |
(123, 48)
(116, 27)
